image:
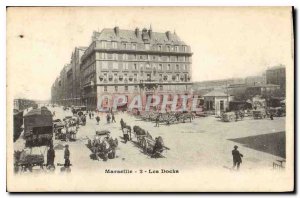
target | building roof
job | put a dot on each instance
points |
(39, 111)
(276, 67)
(264, 85)
(137, 36)
(215, 93)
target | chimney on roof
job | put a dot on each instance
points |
(168, 33)
(150, 32)
(144, 34)
(117, 31)
(137, 32)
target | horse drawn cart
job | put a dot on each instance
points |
(26, 161)
(150, 146)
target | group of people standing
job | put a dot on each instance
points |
(110, 117)
(51, 157)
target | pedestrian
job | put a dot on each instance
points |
(125, 134)
(157, 121)
(237, 158)
(90, 115)
(113, 118)
(67, 156)
(98, 119)
(108, 118)
(50, 157)
(122, 123)
(271, 116)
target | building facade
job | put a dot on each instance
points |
(276, 75)
(66, 88)
(134, 62)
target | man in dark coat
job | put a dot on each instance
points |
(237, 157)
(98, 119)
(113, 118)
(67, 156)
(157, 121)
(122, 123)
(50, 156)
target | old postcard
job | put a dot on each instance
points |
(150, 99)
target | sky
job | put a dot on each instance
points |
(226, 42)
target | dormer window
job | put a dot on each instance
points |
(134, 46)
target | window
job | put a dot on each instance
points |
(159, 48)
(148, 76)
(135, 87)
(160, 87)
(169, 49)
(177, 77)
(176, 48)
(160, 67)
(165, 77)
(114, 44)
(135, 77)
(126, 66)
(126, 88)
(124, 45)
(134, 46)
(115, 65)
(177, 67)
(109, 56)
(135, 66)
(147, 46)
(147, 66)
(160, 77)
(153, 57)
(116, 88)
(169, 67)
(103, 44)
(105, 88)
(184, 48)
(104, 65)
(141, 57)
(120, 77)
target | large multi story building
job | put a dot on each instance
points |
(276, 75)
(134, 62)
(66, 88)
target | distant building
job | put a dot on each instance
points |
(216, 101)
(213, 84)
(276, 75)
(255, 80)
(66, 89)
(20, 104)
